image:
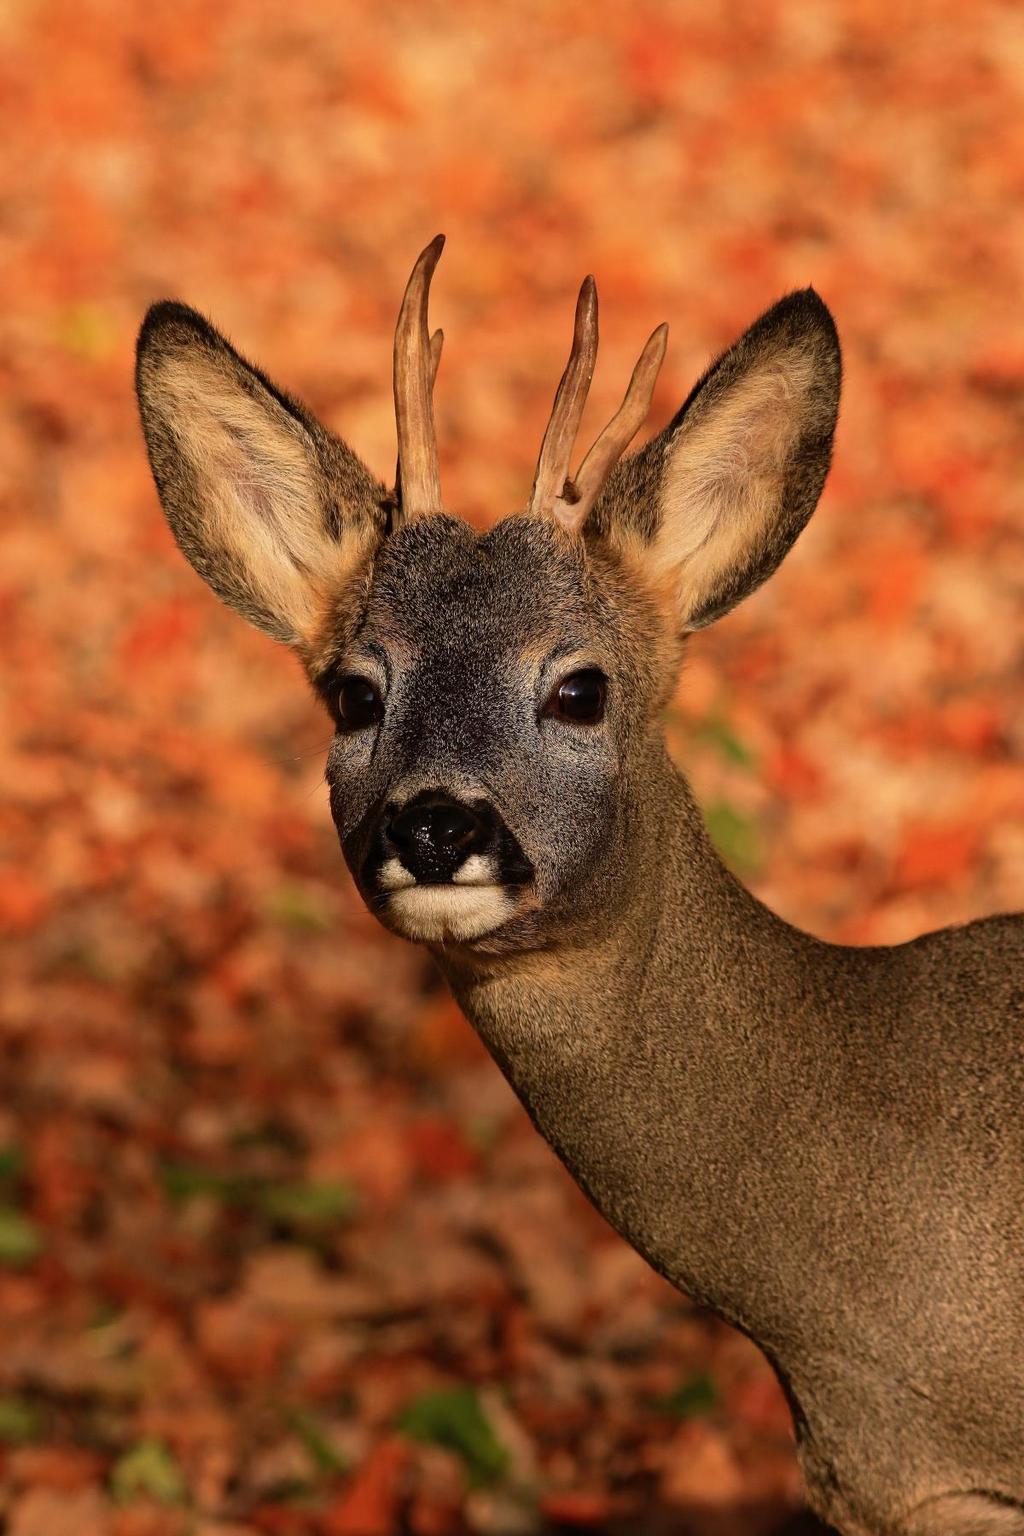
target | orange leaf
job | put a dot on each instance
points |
(576, 1507)
(933, 853)
(370, 1504)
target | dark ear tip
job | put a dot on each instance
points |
(169, 320)
(802, 317)
(815, 304)
(806, 308)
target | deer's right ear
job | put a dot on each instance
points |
(272, 511)
(708, 508)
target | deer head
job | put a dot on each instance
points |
(497, 697)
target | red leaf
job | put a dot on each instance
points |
(370, 1504)
(439, 1150)
(933, 854)
(576, 1507)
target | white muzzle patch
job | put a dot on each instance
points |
(472, 905)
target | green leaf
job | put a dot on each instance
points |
(187, 1181)
(104, 1315)
(733, 834)
(324, 1454)
(298, 1203)
(718, 733)
(690, 1400)
(453, 1417)
(20, 1241)
(148, 1471)
(305, 1205)
(19, 1421)
(291, 1490)
(482, 1131)
(12, 1161)
(301, 907)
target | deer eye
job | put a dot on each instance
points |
(359, 704)
(579, 697)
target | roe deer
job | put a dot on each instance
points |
(825, 1145)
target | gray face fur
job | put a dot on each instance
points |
(465, 637)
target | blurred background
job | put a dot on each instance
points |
(279, 1252)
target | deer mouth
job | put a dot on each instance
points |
(444, 870)
(477, 899)
(438, 914)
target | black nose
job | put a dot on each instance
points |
(433, 834)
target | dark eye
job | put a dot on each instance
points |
(359, 704)
(579, 697)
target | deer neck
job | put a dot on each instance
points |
(661, 1061)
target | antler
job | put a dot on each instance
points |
(417, 355)
(571, 396)
(554, 493)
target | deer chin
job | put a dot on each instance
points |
(455, 913)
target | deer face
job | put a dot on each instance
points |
(496, 697)
(485, 705)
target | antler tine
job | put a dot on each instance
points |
(417, 354)
(571, 512)
(436, 343)
(567, 411)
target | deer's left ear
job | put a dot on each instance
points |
(272, 510)
(709, 508)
